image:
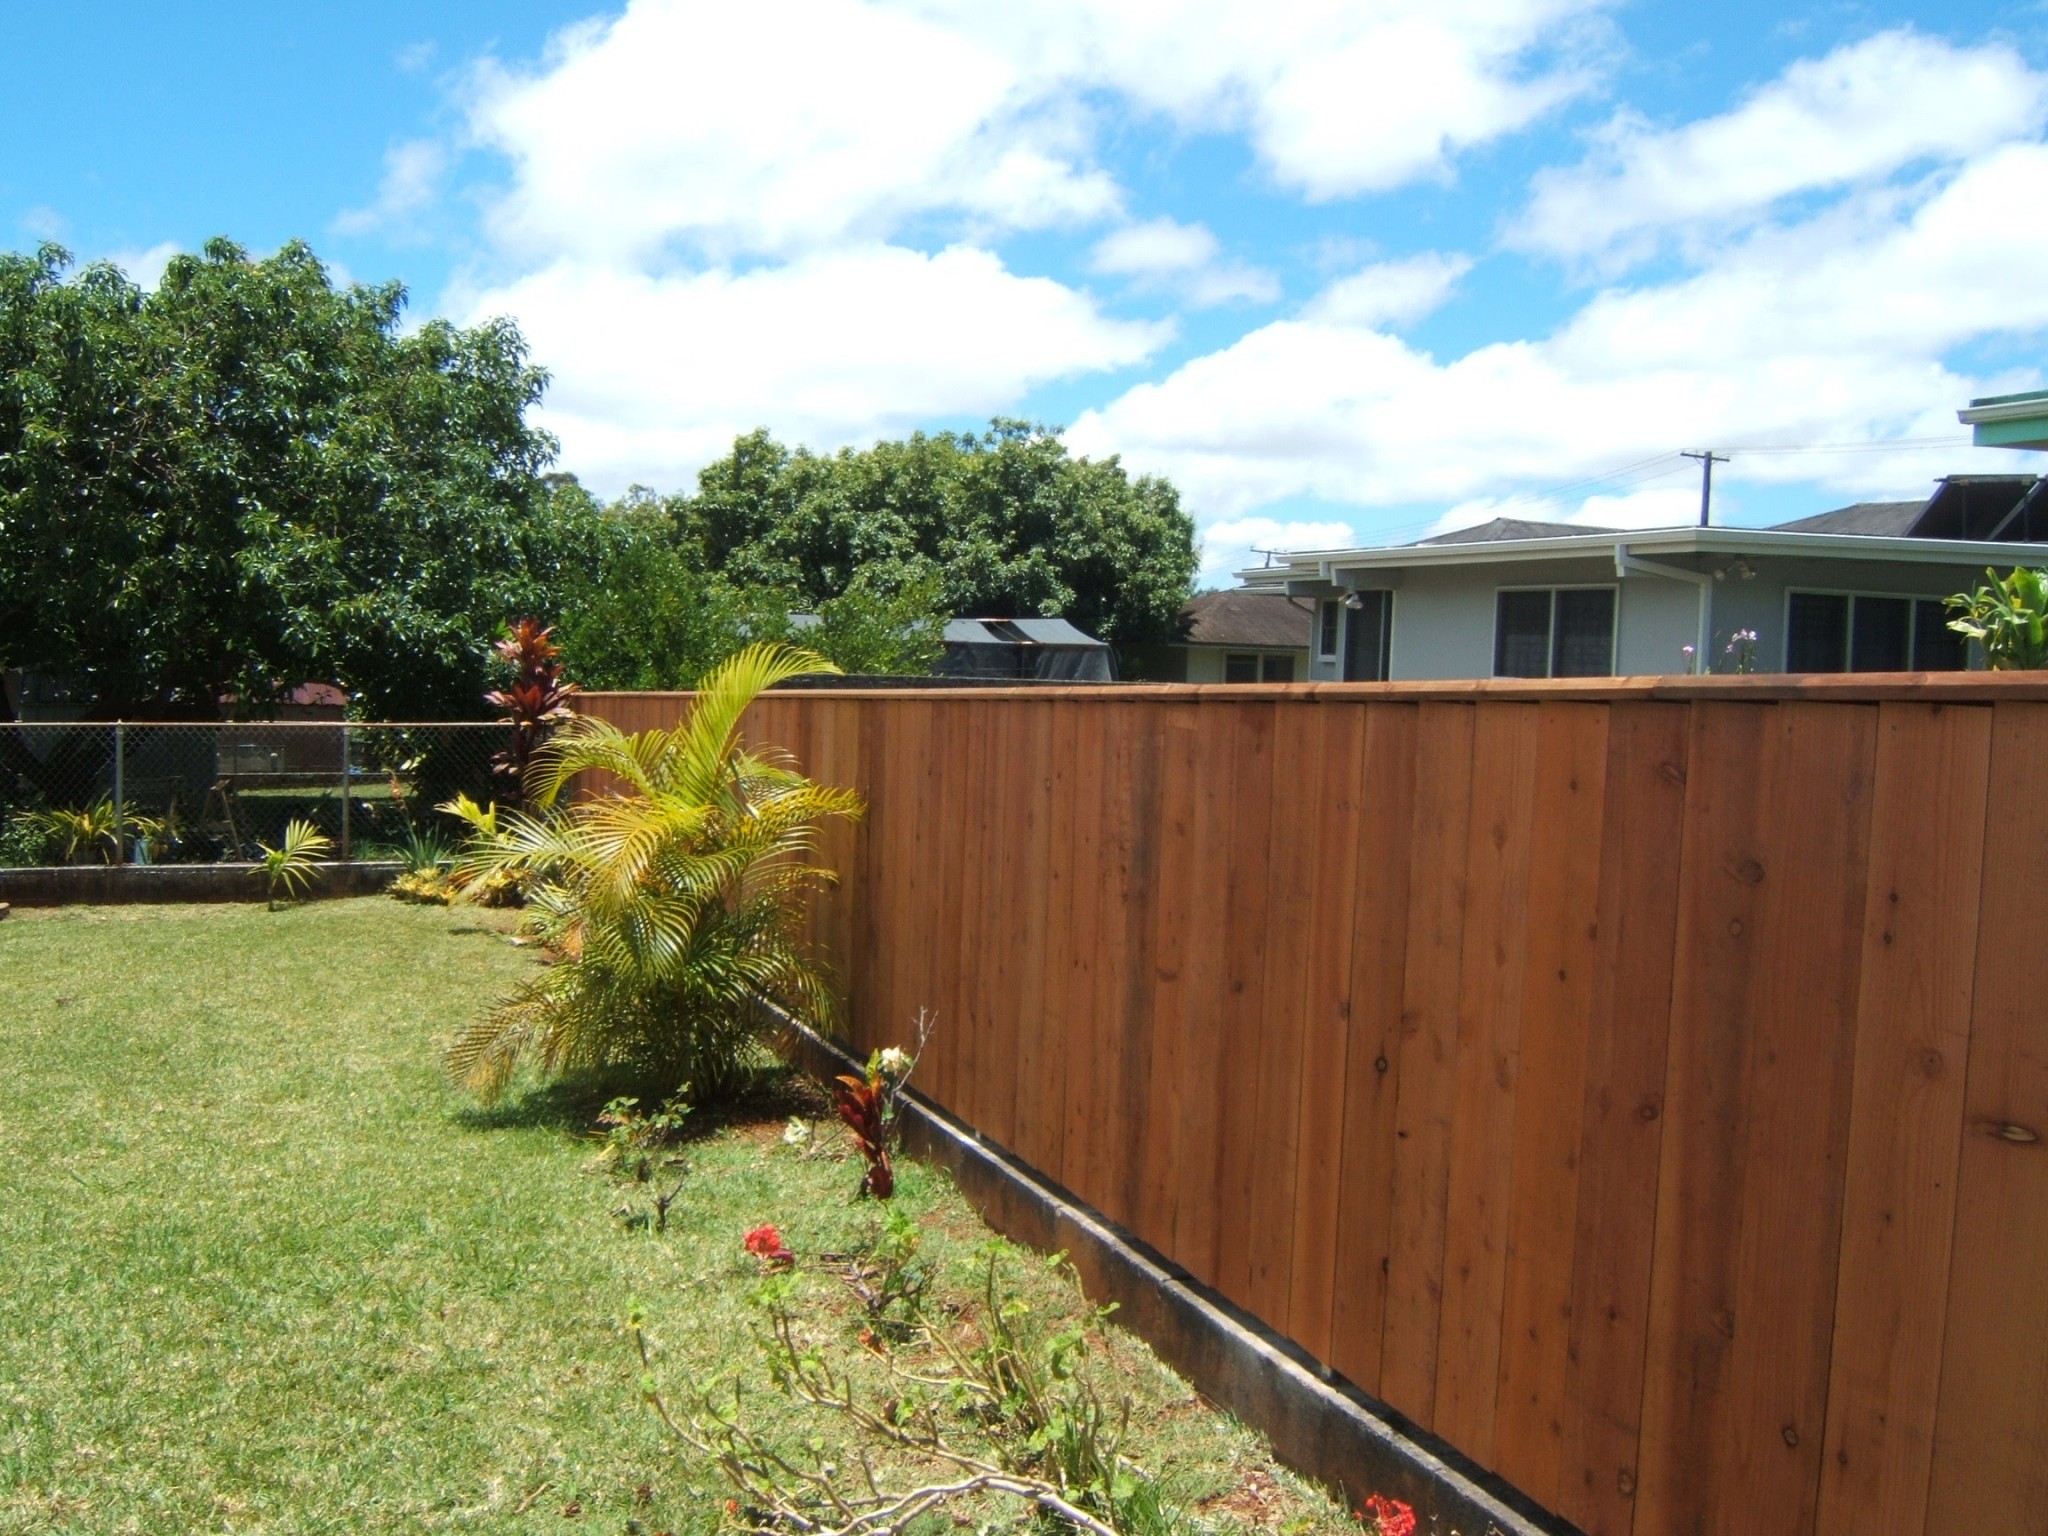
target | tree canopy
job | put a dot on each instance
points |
(1007, 524)
(249, 478)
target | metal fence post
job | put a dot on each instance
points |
(345, 854)
(120, 793)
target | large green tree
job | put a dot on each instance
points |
(250, 477)
(1007, 523)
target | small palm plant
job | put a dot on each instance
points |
(290, 868)
(671, 895)
(2009, 618)
(95, 831)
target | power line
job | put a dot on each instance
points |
(1662, 466)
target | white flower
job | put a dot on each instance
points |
(798, 1132)
(895, 1061)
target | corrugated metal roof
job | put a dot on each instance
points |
(1057, 632)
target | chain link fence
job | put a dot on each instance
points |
(78, 793)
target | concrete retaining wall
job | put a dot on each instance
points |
(101, 886)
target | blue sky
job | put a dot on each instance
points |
(1345, 272)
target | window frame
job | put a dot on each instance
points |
(1387, 596)
(1550, 640)
(1849, 628)
(1258, 658)
(1330, 629)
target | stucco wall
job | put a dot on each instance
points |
(1444, 615)
(1758, 602)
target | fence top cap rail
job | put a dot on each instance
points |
(1844, 688)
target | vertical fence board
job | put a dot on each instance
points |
(1990, 1473)
(1766, 1445)
(1320, 1079)
(1427, 1063)
(1505, 757)
(1177, 939)
(1244, 942)
(1369, 1087)
(1030, 874)
(1276, 1047)
(1731, 762)
(1118, 888)
(1205, 1078)
(1134, 1045)
(1003, 938)
(1559, 977)
(1046, 1110)
(1090, 789)
(1621, 1133)
(1906, 1118)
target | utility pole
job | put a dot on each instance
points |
(1708, 459)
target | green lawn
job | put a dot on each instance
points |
(266, 1272)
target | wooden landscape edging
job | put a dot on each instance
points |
(1639, 1086)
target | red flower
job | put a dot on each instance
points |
(765, 1244)
(1390, 1517)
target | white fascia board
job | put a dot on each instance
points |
(2019, 408)
(1329, 565)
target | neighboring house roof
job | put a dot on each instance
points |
(1970, 520)
(1891, 518)
(1253, 620)
(1503, 529)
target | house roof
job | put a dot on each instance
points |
(1889, 518)
(1503, 529)
(1970, 520)
(1262, 620)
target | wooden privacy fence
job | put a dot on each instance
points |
(1640, 1086)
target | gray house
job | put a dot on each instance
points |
(1231, 637)
(1855, 590)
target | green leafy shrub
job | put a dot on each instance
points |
(88, 833)
(670, 899)
(2009, 618)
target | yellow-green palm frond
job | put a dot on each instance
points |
(672, 892)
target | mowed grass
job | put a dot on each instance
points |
(262, 1270)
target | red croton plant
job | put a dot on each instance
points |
(864, 1103)
(534, 702)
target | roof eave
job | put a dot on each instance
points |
(1323, 565)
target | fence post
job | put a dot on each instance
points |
(120, 793)
(345, 854)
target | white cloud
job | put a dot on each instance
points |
(773, 129)
(1861, 113)
(734, 130)
(145, 268)
(1156, 248)
(1233, 544)
(1164, 253)
(412, 180)
(654, 375)
(1389, 293)
(1337, 96)
(45, 223)
(1828, 331)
